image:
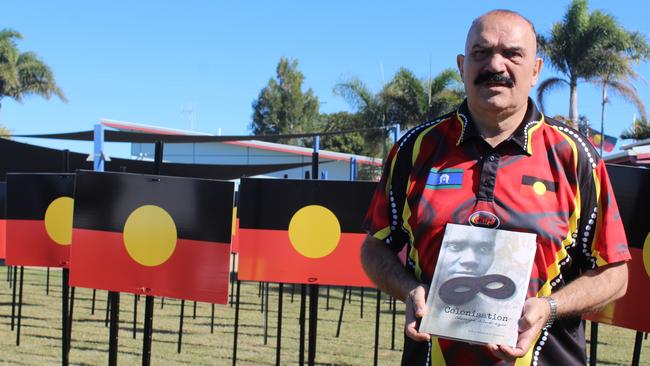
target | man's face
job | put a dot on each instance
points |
(467, 257)
(500, 65)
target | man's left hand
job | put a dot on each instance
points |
(534, 315)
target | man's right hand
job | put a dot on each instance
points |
(415, 308)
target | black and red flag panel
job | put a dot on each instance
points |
(632, 190)
(39, 219)
(152, 235)
(3, 222)
(302, 231)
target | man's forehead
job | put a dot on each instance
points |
(502, 29)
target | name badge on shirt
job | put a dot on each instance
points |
(446, 178)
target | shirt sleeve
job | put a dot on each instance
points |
(601, 234)
(380, 221)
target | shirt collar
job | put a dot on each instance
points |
(521, 136)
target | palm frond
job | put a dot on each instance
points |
(545, 87)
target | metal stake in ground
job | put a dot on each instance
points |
(636, 356)
(377, 313)
(266, 312)
(338, 326)
(212, 318)
(278, 344)
(301, 320)
(92, 308)
(392, 342)
(114, 327)
(136, 298)
(234, 346)
(20, 305)
(70, 316)
(65, 287)
(47, 282)
(13, 297)
(180, 326)
(593, 344)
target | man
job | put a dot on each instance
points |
(509, 167)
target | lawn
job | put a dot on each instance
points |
(202, 344)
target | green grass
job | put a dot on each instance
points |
(40, 341)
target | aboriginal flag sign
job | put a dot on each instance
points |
(632, 190)
(39, 219)
(3, 222)
(302, 231)
(152, 235)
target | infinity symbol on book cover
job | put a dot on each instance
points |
(460, 290)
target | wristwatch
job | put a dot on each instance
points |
(553, 315)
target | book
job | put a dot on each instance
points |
(479, 285)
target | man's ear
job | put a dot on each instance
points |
(536, 71)
(459, 62)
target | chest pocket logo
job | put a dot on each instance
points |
(484, 219)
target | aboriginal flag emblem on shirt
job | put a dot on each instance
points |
(39, 219)
(152, 235)
(533, 186)
(446, 178)
(302, 231)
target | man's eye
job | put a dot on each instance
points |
(480, 53)
(453, 247)
(512, 54)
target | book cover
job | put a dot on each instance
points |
(479, 285)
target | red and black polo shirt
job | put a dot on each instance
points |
(545, 179)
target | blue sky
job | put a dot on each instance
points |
(146, 61)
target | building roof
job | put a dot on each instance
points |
(636, 153)
(262, 145)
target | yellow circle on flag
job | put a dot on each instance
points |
(646, 254)
(150, 235)
(597, 139)
(314, 231)
(58, 220)
(539, 188)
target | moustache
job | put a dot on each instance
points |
(494, 77)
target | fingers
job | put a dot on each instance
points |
(506, 353)
(417, 295)
(533, 318)
(415, 309)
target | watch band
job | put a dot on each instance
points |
(553, 315)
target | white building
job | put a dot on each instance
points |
(333, 165)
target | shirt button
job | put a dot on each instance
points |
(491, 158)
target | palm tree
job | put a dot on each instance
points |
(575, 49)
(639, 131)
(4, 132)
(23, 73)
(405, 101)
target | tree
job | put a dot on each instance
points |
(350, 143)
(23, 73)
(639, 131)
(405, 101)
(588, 47)
(4, 132)
(281, 106)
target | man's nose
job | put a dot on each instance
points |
(496, 63)
(469, 258)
